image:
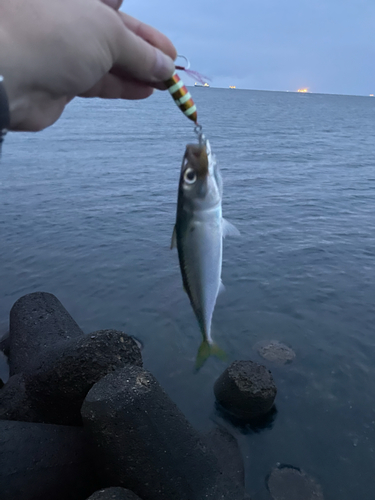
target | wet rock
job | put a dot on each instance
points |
(38, 321)
(290, 483)
(55, 390)
(275, 351)
(114, 493)
(39, 461)
(143, 442)
(228, 453)
(246, 390)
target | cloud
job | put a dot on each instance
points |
(328, 46)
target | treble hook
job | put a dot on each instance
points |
(187, 62)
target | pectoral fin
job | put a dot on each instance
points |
(229, 229)
(174, 240)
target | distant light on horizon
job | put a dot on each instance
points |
(303, 90)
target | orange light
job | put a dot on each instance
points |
(303, 91)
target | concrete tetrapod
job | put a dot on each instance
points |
(42, 461)
(143, 442)
(38, 321)
(53, 392)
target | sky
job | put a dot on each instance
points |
(327, 46)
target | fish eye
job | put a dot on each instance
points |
(190, 176)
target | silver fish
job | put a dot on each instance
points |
(198, 235)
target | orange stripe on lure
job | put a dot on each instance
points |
(182, 96)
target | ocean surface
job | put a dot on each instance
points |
(87, 212)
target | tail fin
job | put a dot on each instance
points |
(205, 351)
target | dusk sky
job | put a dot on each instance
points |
(327, 46)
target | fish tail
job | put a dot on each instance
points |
(206, 350)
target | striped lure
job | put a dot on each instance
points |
(182, 97)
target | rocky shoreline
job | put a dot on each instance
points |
(81, 418)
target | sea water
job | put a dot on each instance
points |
(87, 209)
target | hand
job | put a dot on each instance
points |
(55, 50)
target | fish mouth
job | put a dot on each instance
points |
(196, 157)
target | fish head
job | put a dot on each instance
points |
(200, 179)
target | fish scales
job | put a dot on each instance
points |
(198, 235)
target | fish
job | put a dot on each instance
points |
(198, 235)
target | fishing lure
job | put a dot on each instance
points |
(182, 96)
(180, 93)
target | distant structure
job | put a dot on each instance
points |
(303, 91)
(232, 86)
(200, 85)
(371, 95)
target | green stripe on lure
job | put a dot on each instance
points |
(182, 97)
(198, 235)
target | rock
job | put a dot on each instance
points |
(228, 453)
(65, 376)
(55, 390)
(40, 462)
(290, 483)
(275, 351)
(114, 493)
(143, 442)
(4, 344)
(38, 321)
(246, 390)
(15, 403)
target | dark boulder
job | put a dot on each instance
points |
(40, 462)
(15, 403)
(38, 321)
(65, 375)
(114, 493)
(143, 442)
(275, 351)
(4, 344)
(53, 392)
(290, 483)
(228, 453)
(246, 390)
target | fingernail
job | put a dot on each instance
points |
(164, 67)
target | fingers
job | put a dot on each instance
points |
(113, 87)
(149, 34)
(114, 4)
(136, 57)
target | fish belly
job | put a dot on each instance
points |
(201, 260)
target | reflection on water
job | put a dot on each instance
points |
(256, 425)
